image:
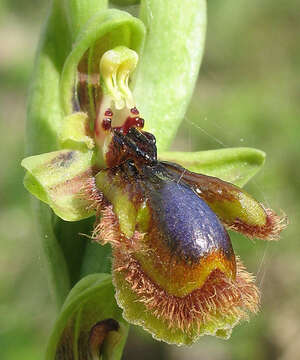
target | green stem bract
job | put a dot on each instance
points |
(43, 121)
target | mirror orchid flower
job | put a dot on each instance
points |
(174, 268)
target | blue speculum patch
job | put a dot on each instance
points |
(190, 227)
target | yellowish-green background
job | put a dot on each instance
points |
(248, 94)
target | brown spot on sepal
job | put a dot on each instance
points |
(64, 160)
(81, 93)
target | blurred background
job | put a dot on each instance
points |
(248, 94)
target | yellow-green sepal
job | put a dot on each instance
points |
(58, 179)
(235, 165)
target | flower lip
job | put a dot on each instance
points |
(177, 225)
(178, 255)
(237, 209)
(190, 227)
(166, 278)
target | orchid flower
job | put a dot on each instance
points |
(104, 109)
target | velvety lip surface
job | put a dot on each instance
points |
(191, 228)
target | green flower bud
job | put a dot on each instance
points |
(89, 327)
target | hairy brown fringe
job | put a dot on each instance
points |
(270, 231)
(218, 297)
(107, 230)
(93, 195)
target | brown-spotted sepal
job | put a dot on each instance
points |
(60, 178)
(237, 210)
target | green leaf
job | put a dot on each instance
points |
(169, 65)
(96, 259)
(90, 324)
(235, 165)
(58, 178)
